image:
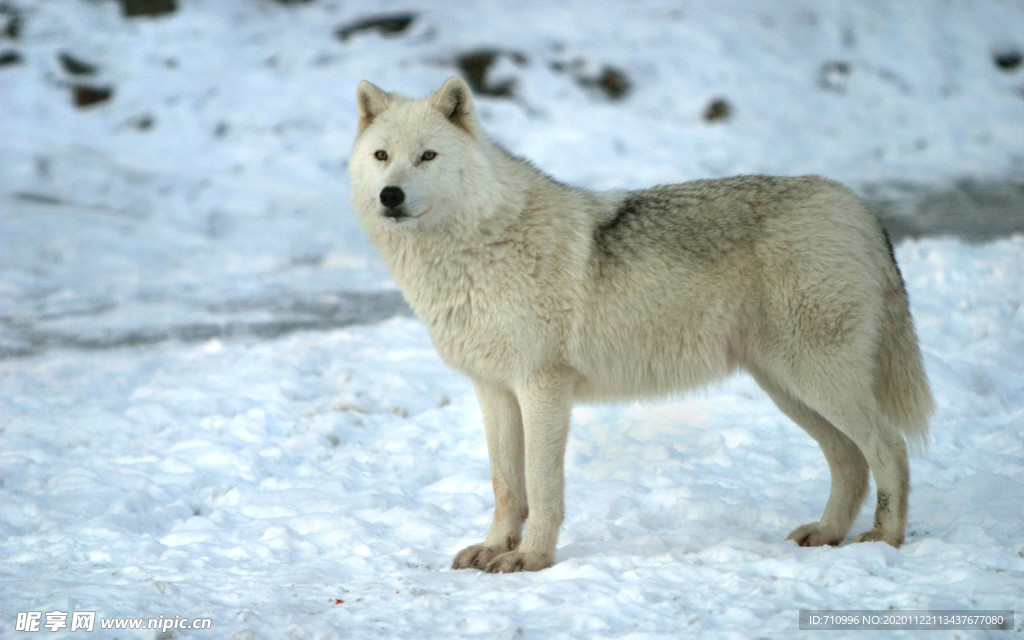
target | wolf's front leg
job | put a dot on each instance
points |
(504, 425)
(546, 404)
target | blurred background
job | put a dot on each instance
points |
(177, 168)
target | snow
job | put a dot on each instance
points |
(193, 426)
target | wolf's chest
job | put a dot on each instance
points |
(484, 309)
(476, 333)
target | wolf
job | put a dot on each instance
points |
(545, 295)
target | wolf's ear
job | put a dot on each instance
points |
(455, 101)
(373, 101)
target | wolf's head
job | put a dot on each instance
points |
(418, 162)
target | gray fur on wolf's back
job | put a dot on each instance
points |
(685, 216)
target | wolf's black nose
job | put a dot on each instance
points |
(391, 197)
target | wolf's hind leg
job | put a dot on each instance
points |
(851, 408)
(848, 467)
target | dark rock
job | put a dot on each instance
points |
(386, 25)
(9, 58)
(475, 65)
(1008, 59)
(612, 82)
(87, 95)
(75, 66)
(718, 110)
(134, 8)
(10, 19)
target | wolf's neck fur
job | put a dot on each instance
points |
(507, 239)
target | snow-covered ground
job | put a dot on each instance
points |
(174, 445)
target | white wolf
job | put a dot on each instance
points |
(545, 294)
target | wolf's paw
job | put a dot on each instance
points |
(816, 534)
(515, 561)
(477, 556)
(878, 536)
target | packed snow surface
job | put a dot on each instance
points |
(173, 445)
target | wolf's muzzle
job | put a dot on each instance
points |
(392, 198)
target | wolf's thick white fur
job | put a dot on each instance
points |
(545, 294)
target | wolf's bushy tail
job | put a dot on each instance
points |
(901, 386)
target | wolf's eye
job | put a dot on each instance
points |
(381, 155)
(428, 156)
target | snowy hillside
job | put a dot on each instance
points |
(213, 403)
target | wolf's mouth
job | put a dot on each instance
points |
(400, 214)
